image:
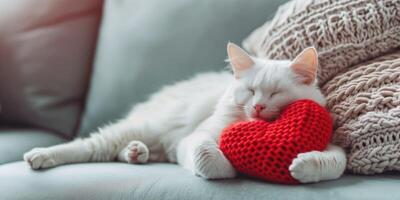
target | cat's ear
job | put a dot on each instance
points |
(239, 59)
(306, 65)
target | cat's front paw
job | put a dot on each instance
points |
(135, 152)
(39, 158)
(210, 163)
(306, 167)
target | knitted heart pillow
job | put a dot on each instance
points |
(266, 149)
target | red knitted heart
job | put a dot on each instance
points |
(266, 149)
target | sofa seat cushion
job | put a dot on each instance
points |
(168, 181)
(15, 142)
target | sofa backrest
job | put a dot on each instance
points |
(146, 44)
(46, 52)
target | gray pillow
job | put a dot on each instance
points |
(145, 44)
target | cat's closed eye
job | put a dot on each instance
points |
(275, 93)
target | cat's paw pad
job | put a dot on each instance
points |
(39, 158)
(137, 152)
(306, 167)
(210, 163)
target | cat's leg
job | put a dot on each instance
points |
(56, 155)
(104, 145)
(199, 153)
(136, 152)
(319, 166)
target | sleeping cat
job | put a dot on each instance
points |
(182, 122)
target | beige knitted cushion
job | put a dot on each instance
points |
(345, 32)
(365, 101)
(364, 98)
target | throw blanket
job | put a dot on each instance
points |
(358, 42)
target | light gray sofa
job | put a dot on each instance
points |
(141, 46)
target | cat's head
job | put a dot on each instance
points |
(263, 87)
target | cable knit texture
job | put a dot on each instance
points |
(345, 32)
(266, 149)
(365, 102)
(359, 72)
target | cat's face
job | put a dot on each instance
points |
(263, 87)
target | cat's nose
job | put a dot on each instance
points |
(259, 107)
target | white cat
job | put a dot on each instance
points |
(182, 122)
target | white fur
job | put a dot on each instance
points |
(182, 123)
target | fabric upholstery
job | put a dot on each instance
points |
(98, 181)
(46, 50)
(146, 44)
(15, 142)
(345, 32)
(363, 97)
(365, 101)
(126, 72)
